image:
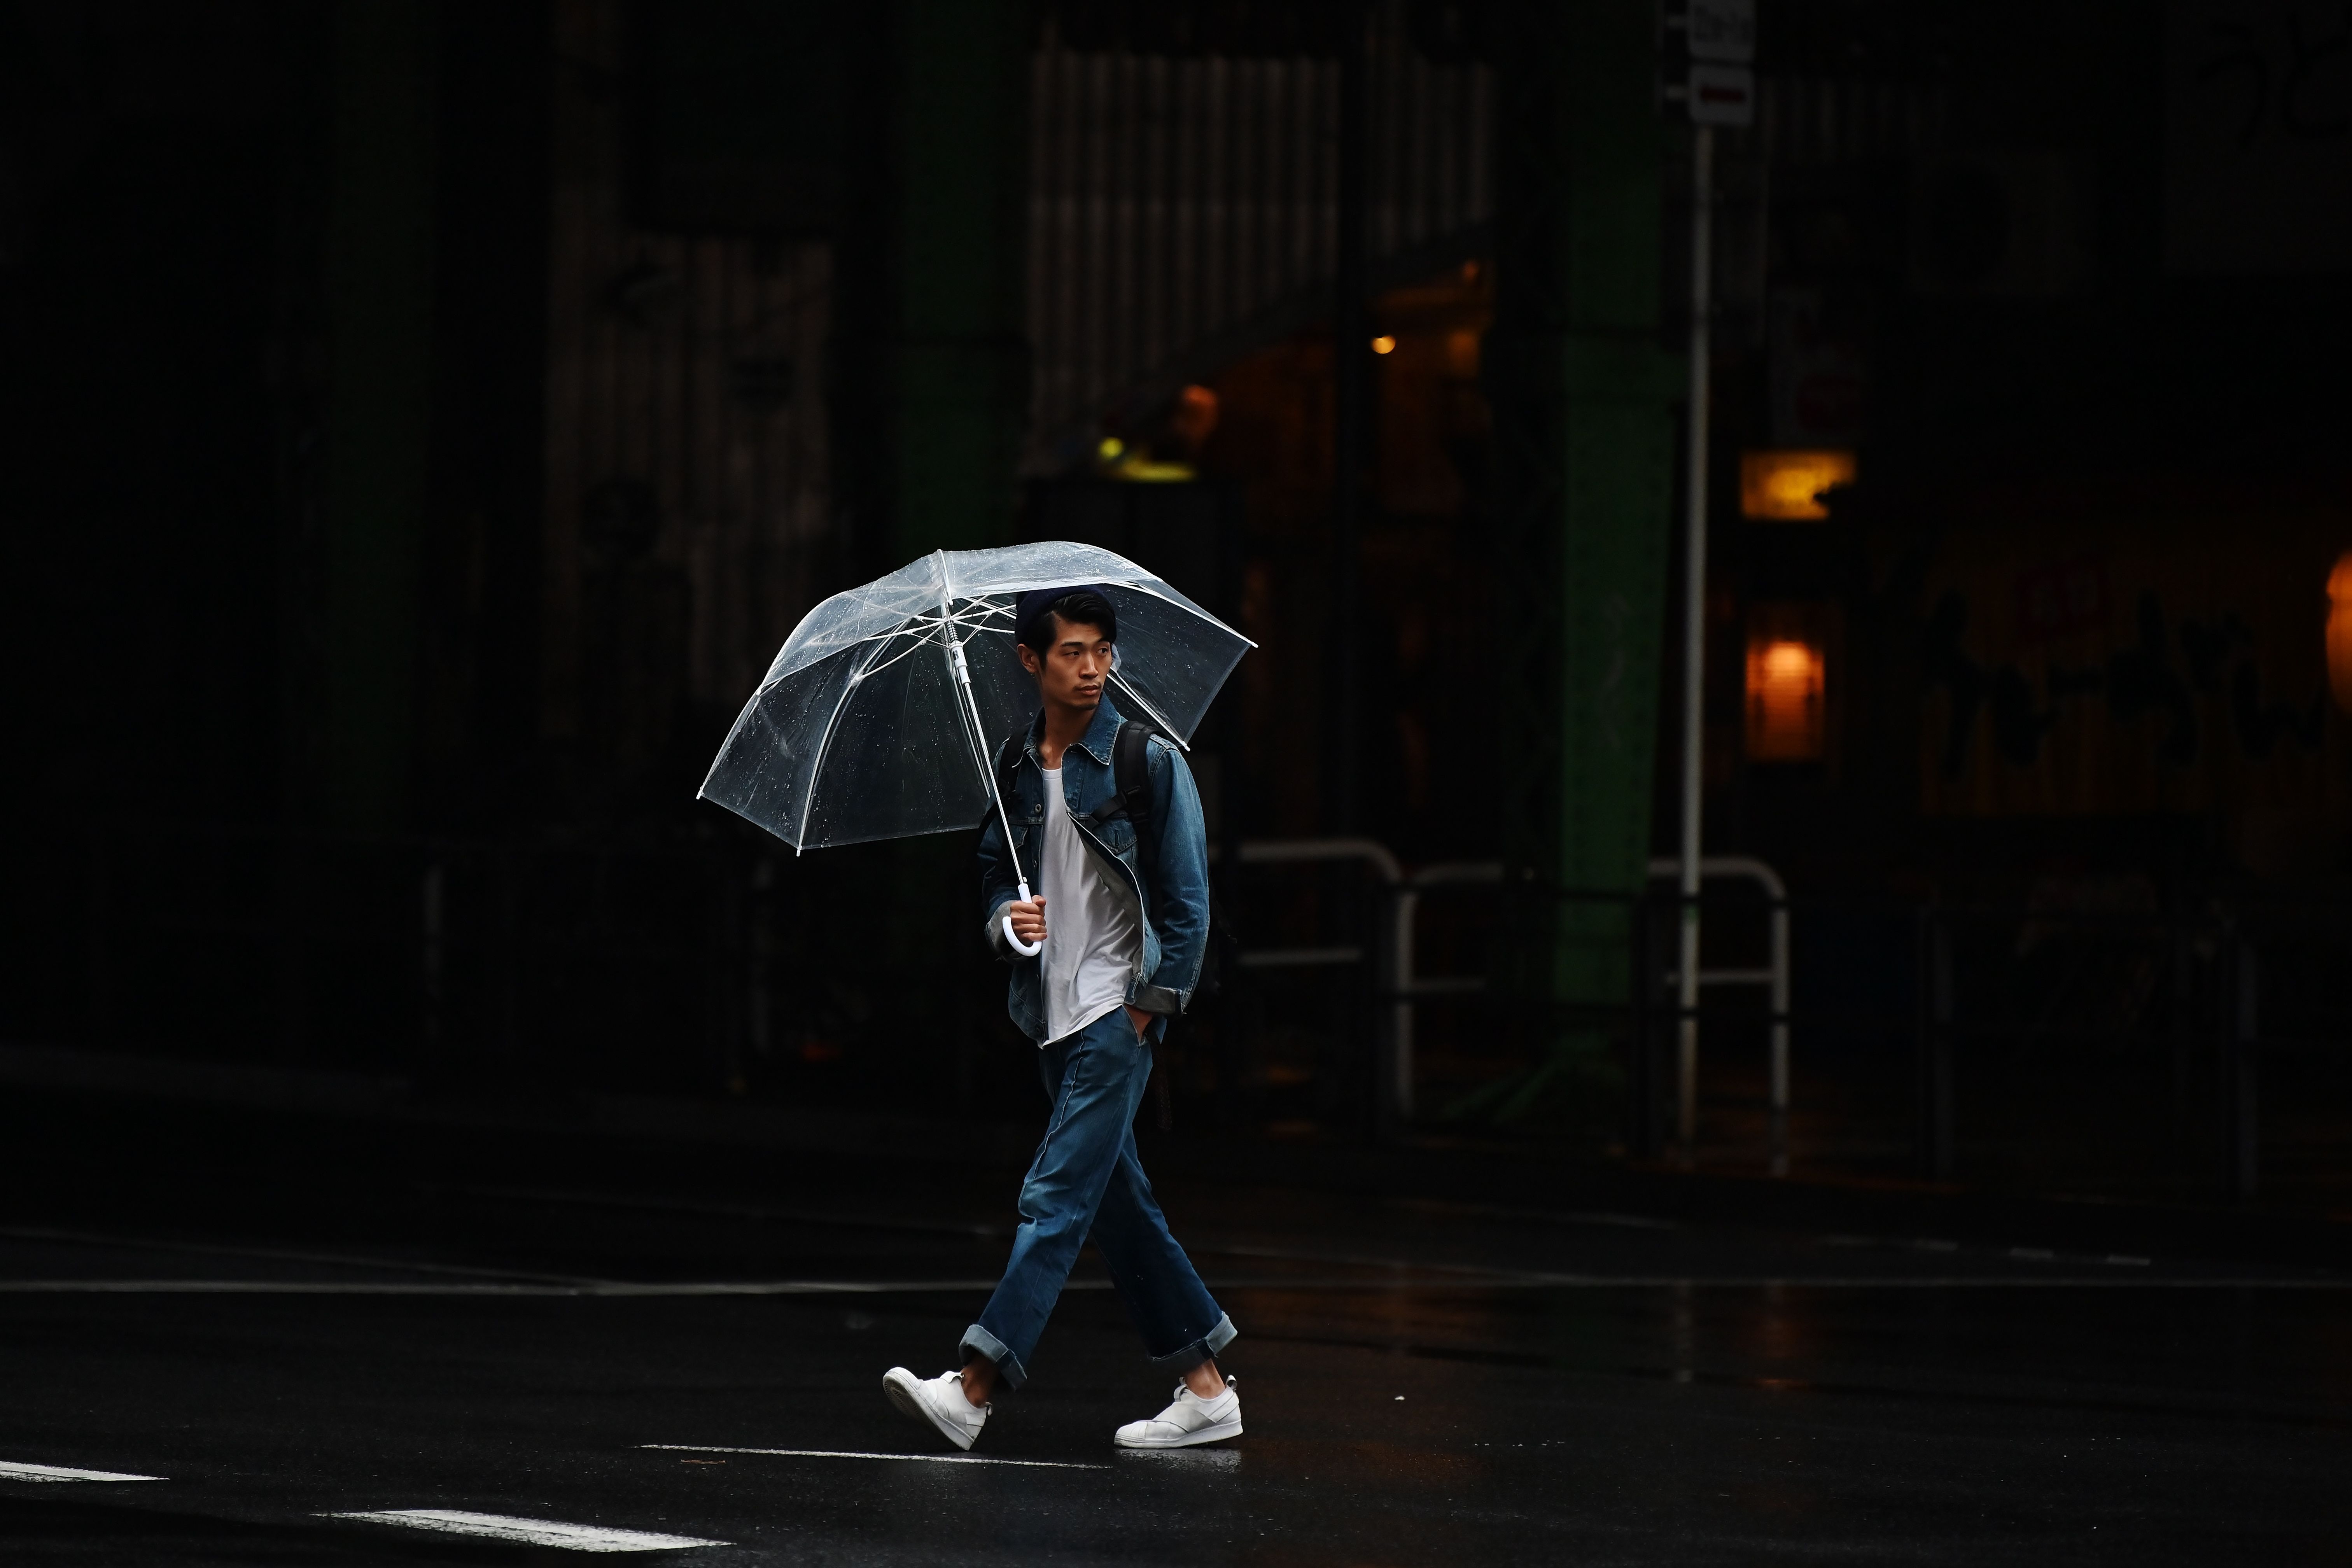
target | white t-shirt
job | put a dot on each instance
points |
(1093, 942)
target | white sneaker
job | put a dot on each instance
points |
(1191, 1419)
(938, 1402)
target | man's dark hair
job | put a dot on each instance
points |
(1079, 606)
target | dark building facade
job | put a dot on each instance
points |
(424, 421)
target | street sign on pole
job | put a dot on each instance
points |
(1722, 31)
(1721, 95)
(1719, 36)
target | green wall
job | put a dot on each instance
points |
(961, 362)
(1584, 399)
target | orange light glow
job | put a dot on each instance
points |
(1786, 487)
(1462, 354)
(2339, 631)
(1786, 720)
(1384, 344)
(1195, 417)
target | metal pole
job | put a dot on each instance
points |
(1779, 1115)
(2245, 1061)
(1351, 371)
(1694, 639)
(101, 1012)
(1404, 904)
(1644, 1132)
(1935, 1089)
(434, 935)
(758, 1003)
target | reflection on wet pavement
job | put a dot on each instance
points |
(1422, 1383)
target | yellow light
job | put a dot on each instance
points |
(1143, 470)
(1786, 487)
(1111, 448)
(2339, 631)
(1384, 344)
(1786, 720)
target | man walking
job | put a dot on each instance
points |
(1122, 912)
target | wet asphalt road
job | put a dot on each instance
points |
(1423, 1382)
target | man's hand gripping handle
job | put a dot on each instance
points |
(1024, 924)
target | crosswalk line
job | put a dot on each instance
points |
(852, 1454)
(528, 1532)
(10, 1471)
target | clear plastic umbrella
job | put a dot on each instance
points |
(881, 717)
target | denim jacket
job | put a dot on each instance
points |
(1175, 903)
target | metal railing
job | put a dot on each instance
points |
(2204, 1040)
(1775, 974)
(1397, 981)
(1406, 984)
(1315, 851)
(2191, 991)
(1388, 1110)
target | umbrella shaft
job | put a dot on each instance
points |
(980, 750)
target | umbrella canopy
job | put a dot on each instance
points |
(863, 728)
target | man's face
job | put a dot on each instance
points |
(1071, 674)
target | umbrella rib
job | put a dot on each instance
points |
(897, 631)
(1156, 716)
(879, 640)
(816, 769)
(979, 622)
(920, 642)
(928, 621)
(1196, 611)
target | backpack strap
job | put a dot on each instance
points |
(1130, 774)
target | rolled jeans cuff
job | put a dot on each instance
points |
(1199, 1350)
(977, 1341)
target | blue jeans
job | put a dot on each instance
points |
(1086, 1183)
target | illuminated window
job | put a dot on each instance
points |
(1787, 720)
(1786, 487)
(2339, 631)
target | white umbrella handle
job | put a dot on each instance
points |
(1025, 949)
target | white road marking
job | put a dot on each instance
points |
(280, 1254)
(528, 1532)
(847, 1454)
(16, 1472)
